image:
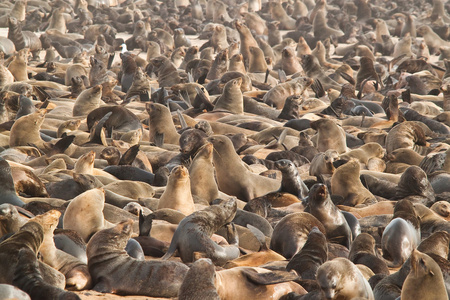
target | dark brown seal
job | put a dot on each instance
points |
(113, 271)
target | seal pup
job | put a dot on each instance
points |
(346, 183)
(321, 207)
(341, 279)
(402, 235)
(114, 271)
(425, 280)
(193, 235)
(291, 181)
(233, 177)
(177, 194)
(312, 255)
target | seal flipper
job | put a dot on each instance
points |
(97, 137)
(145, 223)
(159, 139)
(317, 87)
(272, 277)
(129, 156)
(61, 145)
(259, 236)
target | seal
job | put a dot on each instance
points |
(415, 187)
(277, 95)
(18, 65)
(121, 119)
(231, 98)
(203, 184)
(161, 124)
(291, 233)
(247, 40)
(87, 101)
(233, 178)
(25, 130)
(10, 219)
(402, 234)
(364, 251)
(340, 278)
(194, 233)
(291, 182)
(29, 237)
(84, 214)
(113, 271)
(75, 271)
(177, 194)
(329, 136)
(346, 183)
(321, 207)
(199, 282)
(312, 255)
(7, 187)
(407, 134)
(425, 273)
(364, 153)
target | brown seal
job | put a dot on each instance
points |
(193, 235)
(25, 130)
(425, 280)
(203, 184)
(199, 281)
(291, 233)
(113, 271)
(329, 136)
(407, 134)
(321, 207)
(18, 65)
(312, 255)
(75, 271)
(346, 183)
(161, 124)
(87, 101)
(177, 194)
(233, 177)
(363, 251)
(366, 71)
(231, 99)
(277, 95)
(278, 13)
(7, 186)
(340, 278)
(247, 40)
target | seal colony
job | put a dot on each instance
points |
(224, 149)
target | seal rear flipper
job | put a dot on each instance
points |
(273, 277)
(61, 145)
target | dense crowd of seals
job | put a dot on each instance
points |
(225, 149)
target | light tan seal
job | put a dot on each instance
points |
(203, 183)
(233, 177)
(87, 101)
(231, 98)
(25, 130)
(329, 136)
(161, 123)
(177, 194)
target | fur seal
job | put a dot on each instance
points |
(161, 124)
(346, 183)
(87, 101)
(291, 181)
(277, 95)
(321, 207)
(363, 251)
(177, 194)
(7, 187)
(329, 136)
(233, 178)
(113, 271)
(402, 234)
(291, 233)
(341, 279)
(312, 255)
(425, 273)
(193, 234)
(231, 99)
(203, 184)
(26, 130)
(199, 282)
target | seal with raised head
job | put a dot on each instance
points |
(329, 136)
(291, 182)
(233, 177)
(341, 279)
(25, 130)
(425, 280)
(193, 234)
(114, 271)
(161, 124)
(7, 188)
(177, 194)
(87, 101)
(321, 207)
(231, 98)
(203, 184)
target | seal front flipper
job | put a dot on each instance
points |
(273, 277)
(130, 155)
(159, 139)
(259, 236)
